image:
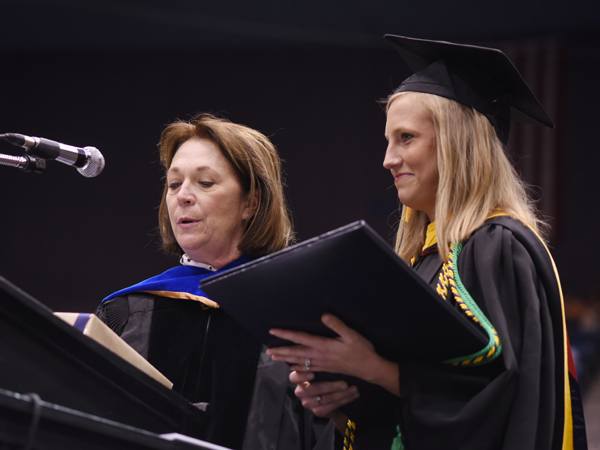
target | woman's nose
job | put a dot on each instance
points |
(185, 194)
(391, 158)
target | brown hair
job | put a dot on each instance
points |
(476, 178)
(258, 167)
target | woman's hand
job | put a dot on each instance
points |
(349, 354)
(340, 355)
(324, 398)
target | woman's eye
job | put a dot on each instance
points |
(174, 185)
(206, 184)
(406, 137)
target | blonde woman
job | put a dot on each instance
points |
(470, 230)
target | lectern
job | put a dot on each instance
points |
(42, 354)
(31, 424)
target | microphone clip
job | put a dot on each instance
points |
(26, 163)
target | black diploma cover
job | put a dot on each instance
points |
(352, 273)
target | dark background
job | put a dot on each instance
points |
(112, 74)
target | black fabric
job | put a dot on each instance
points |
(208, 357)
(273, 390)
(227, 372)
(212, 360)
(514, 402)
(115, 314)
(379, 431)
(429, 267)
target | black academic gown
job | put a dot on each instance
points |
(217, 365)
(517, 401)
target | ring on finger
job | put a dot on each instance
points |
(318, 399)
(307, 363)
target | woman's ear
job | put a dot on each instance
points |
(250, 210)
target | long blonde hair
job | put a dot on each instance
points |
(475, 179)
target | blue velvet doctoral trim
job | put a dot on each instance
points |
(178, 279)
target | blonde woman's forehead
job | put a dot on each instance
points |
(407, 113)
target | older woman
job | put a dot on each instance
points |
(222, 205)
(469, 229)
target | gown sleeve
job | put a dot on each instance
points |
(509, 403)
(114, 313)
(215, 364)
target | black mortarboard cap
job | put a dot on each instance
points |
(479, 77)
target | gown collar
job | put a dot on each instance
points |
(183, 282)
(187, 261)
(430, 238)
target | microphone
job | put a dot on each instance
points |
(88, 160)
